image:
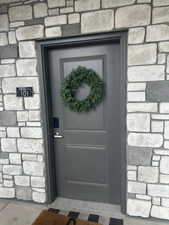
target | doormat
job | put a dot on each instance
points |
(60, 217)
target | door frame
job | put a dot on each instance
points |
(42, 47)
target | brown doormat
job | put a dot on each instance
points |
(49, 218)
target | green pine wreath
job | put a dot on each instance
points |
(74, 81)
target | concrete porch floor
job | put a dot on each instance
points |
(23, 213)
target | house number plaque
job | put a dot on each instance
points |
(24, 91)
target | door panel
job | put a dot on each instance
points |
(88, 157)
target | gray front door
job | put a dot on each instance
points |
(88, 160)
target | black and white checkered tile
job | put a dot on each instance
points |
(89, 217)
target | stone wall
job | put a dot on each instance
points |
(22, 167)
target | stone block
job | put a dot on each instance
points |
(38, 182)
(13, 132)
(22, 180)
(166, 130)
(66, 10)
(31, 132)
(12, 37)
(138, 208)
(34, 115)
(157, 91)
(33, 168)
(142, 54)
(4, 155)
(136, 35)
(166, 145)
(157, 33)
(138, 122)
(17, 24)
(161, 152)
(142, 15)
(2, 134)
(33, 102)
(87, 5)
(145, 140)
(7, 118)
(35, 21)
(55, 20)
(156, 201)
(143, 197)
(26, 67)
(70, 29)
(3, 9)
(165, 202)
(53, 12)
(40, 10)
(24, 193)
(8, 52)
(4, 161)
(7, 70)
(167, 64)
(139, 156)
(161, 58)
(164, 165)
(136, 86)
(164, 46)
(30, 32)
(148, 174)
(3, 39)
(56, 3)
(30, 146)
(164, 108)
(74, 18)
(160, 15)
(12, 169)
(138, 96)
(8, 145)
(29, 157)
(8, 61)
(132, 175)
(4, 22)
(160, 2)
(27, 49)
(33, 124)
(9, 84)
(20, 13)
(160, 212)
(146, 73)
(6, 192)
(136, 187)
(97, 21)
(110, 4)
(142, 107)
(8, 183)
(155, 163)
(11, 102)
(15, 158)
(22, 116)
(157, 126)
(158, 190)
(39, 197)
(53, 32)
(144, 1)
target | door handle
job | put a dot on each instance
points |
(57, 135)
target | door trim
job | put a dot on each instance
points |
(42, 48)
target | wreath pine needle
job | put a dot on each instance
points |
(78, 77)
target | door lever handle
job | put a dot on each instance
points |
(57, 135)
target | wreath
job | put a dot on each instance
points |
(74, 81)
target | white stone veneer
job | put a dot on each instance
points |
(22, 153)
